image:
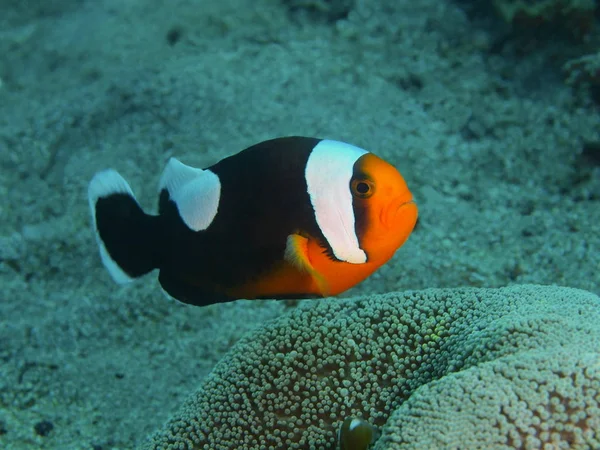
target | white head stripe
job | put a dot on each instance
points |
(328, 174)
(196, 193)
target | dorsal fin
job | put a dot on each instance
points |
(195, 192)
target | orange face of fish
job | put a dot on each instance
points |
(385, 214)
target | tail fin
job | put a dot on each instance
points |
(127, 237)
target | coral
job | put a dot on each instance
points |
(585, 69)
(328, 10)
(530, 400)
(293, 382)
(583, 74)
(574, 16)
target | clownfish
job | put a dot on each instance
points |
(292, 217)
(356, 434)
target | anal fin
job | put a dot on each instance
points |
(185, 292)
(296, 253)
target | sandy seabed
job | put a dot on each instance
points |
(492, 142)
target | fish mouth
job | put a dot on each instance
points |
(407, 214)
(400, 214)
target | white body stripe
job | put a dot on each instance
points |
(196, 193)
(104, 184)
(328, 174)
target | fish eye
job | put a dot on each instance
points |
(362, 188)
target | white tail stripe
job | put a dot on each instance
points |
(104, 184)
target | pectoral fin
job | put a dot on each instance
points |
(296, 253)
